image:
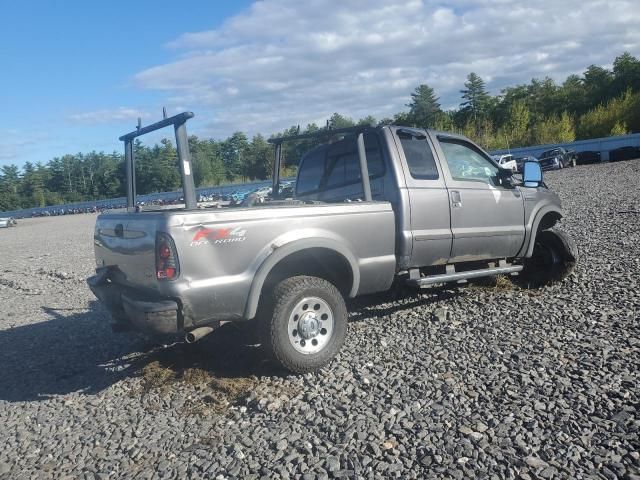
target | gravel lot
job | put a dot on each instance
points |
(477, 381)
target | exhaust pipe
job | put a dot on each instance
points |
(195, 335)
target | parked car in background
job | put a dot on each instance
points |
(624, 153)
(287, 189)
(588, 157)
(520, 161)
(506, 161)
(263, 192)
(8, 222)
(557, 158)
(239, 195)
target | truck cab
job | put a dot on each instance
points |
(452, 202)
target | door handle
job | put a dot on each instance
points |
(456, 200)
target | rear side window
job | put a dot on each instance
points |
(311, 171)
(338, 165)
(346, 169)
(419, 157)
(343, 162)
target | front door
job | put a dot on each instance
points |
(487, 218)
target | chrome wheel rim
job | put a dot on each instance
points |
(310, 325)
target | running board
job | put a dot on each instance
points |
(456, 276)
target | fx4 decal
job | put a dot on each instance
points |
(217, 236)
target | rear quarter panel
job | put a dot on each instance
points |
(222, 252)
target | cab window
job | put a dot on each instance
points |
(467, 163)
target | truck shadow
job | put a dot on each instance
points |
(76, 351)
(397, 299)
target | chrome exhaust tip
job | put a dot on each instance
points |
(195, 335)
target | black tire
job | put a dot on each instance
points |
(573, 162)
(277, 315)
(555, 255)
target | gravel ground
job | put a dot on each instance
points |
(477, 381)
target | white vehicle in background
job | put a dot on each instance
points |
(8, 222)
(263, 192)
(506, 161)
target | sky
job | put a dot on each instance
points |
(75, 75)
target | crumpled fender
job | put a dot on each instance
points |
(532, 228)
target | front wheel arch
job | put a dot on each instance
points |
(544, 220)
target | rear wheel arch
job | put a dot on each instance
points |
(320, 258)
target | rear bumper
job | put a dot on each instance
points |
(135, 310)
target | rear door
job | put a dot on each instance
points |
(487, 218)
(428, 199)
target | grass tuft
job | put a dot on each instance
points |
(156, 376)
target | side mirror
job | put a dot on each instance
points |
(531, 174)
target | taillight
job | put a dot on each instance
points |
(167, 266)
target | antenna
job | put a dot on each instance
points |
(164, 112)
(139, 126)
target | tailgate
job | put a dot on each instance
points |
(126, 242)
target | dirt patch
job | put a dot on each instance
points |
(156, 376)
(212, 395)
(220, 395)
(498, 283)
(196, 376)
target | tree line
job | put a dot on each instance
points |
(598, 103)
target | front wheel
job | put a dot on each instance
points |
(554, 257)
(304, 323)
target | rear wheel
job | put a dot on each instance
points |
(554, 257)
(304, 323)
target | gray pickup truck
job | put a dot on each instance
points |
(371, 206)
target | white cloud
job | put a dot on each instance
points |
(17, 143)
(108, 115)
(284, 62)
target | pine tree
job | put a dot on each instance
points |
(424, 107)
(476, 98)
